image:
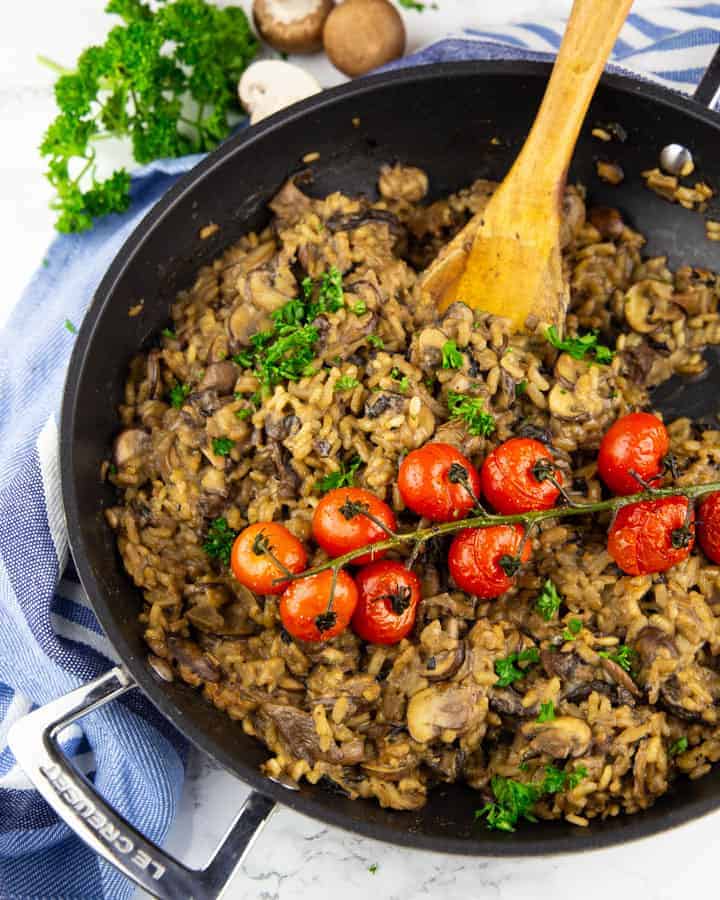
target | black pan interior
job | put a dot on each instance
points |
(442, 118)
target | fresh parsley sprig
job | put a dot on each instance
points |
(219, 540)
(507, 669)
(514, 800)
(136, 86)
(580, 346)
(344, 477)
(472, 411)
(549, 601)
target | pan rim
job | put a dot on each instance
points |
(630, 828)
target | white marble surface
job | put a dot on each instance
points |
(296, 857)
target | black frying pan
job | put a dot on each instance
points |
(441, 118)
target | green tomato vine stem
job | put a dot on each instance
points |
(527, 520)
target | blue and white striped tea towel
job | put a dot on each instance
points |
(49, 638)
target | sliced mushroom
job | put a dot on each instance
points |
(130, 444)
(620, 676)
(297, 729)
(444, 665)
(507, 702)
(206, 618)
(562, 737)
(437, 709)
(153, 374)
(189, 655)
(647, 305)
(383, 403)
(220, 377)
(290, 204)
(650, 641)
(426, 349)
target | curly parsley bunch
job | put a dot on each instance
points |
(137, 85)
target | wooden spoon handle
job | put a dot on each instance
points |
(590, 34)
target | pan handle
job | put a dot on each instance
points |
(33, 740)
(708, 91)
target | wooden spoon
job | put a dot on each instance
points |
(506, 260)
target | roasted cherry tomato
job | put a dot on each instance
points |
(518, 476)
(263, 553)
(348, 518)
(483, 561)
(388, 596)
(304, 606)
(708, 526)
(651, 536)
(438, 482)
(635, 443)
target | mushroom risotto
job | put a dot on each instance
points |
(302, 366)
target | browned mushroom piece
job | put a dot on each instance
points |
(189, 656)
(507, 702)
(436, 709)
(620, 676)
(446, 664)
(360, 35)
(389, 771)
(562, 737)
(297, 729)
(651, 641)
(129, 444)
(220, 377)
(292, 26)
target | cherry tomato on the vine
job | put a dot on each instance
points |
(348, 518)
(652, 536)
(518, 477)
(483, 561)
(304, 606)
(263, 553)
(388, 597)
(708, 526)
(636, 443)
(438, 482)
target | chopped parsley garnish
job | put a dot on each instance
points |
(168, 333)
(574, 627)
(472, 411)
(680, 746)
(624, 656)
(520, 388)
(547, 712)
(222, 446)
(359, 308)
(286, 351)
(578, 347)
(548, 603)
(346, 383)
(402, 380)
(70, 327)
(452, 358)
(515, 800)
(412, 4)
(344, 477)
(178, 395)
(376, 341)
(244, 413)
(219, 540)
(373, 868)
(507, 669)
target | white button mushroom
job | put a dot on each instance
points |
(293, 26)
(271, 84)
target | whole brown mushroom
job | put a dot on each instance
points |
(292, 26)
(360, 35)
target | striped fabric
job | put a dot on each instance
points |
(50, 641)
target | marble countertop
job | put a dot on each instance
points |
(296, 857)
